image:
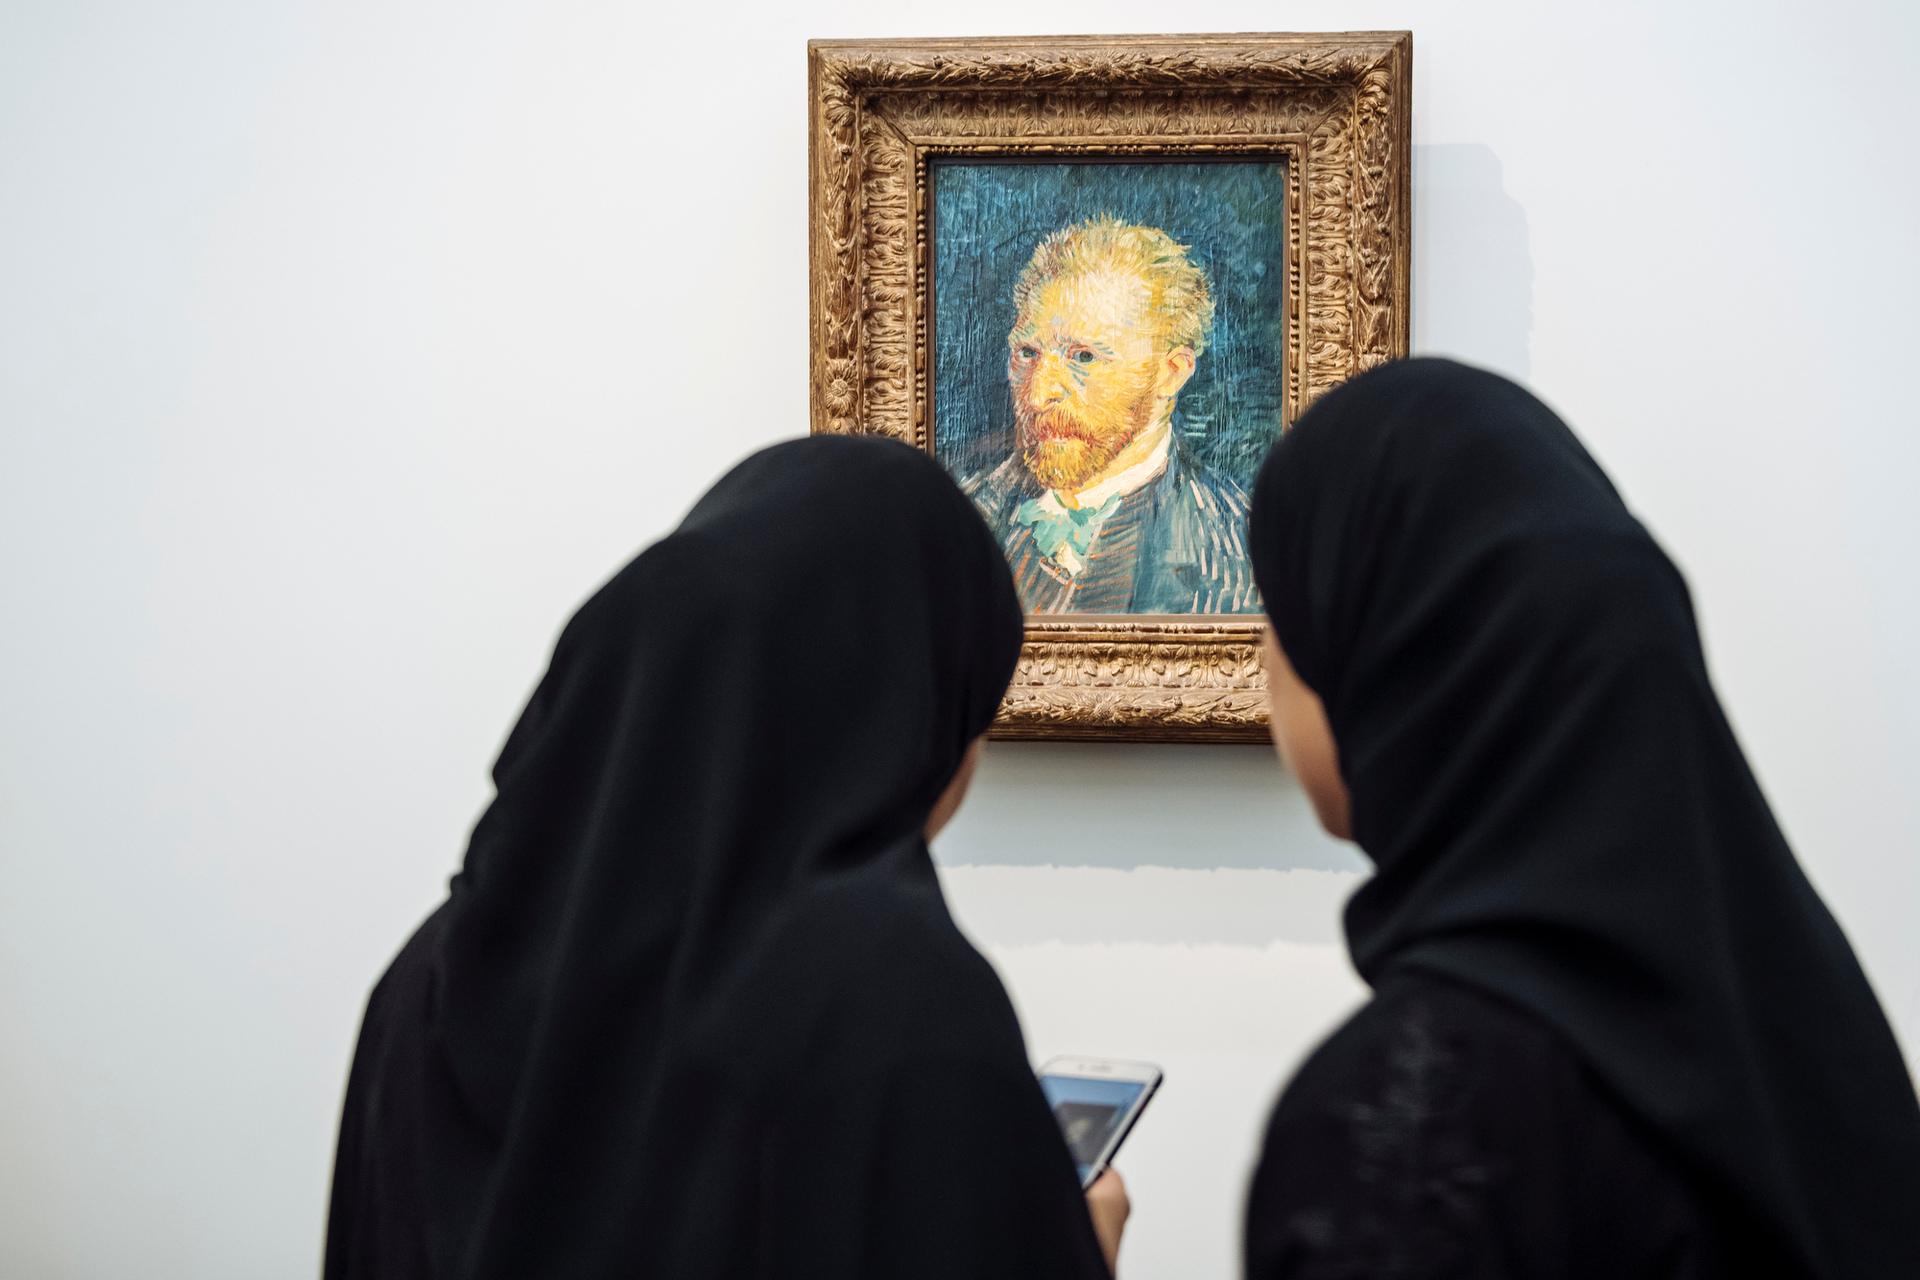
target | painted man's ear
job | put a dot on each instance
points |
(1175, 371)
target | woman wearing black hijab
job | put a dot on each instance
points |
(694, 1006)
(1614, 1032)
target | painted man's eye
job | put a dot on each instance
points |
(1083, 356)
(1029, 353)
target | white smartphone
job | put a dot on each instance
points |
(1095, 1101)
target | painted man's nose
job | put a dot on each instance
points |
(1046, 387)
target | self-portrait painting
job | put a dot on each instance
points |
(1096, 278)
(1108, 347)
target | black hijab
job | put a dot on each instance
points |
(1557, 809)
(767, 701)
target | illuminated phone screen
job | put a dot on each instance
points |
(1088, 1112)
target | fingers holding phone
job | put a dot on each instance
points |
(1109, 1207)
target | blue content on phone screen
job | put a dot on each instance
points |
(1088, 1112)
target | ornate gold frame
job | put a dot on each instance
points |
(1335, 106)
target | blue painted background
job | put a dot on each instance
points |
(987, 221)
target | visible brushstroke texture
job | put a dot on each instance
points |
(1108, 371)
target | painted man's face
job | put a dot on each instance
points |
(1086, 362)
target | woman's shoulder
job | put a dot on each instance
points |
(1426, 1066)
(1441, 1122)
(889, 930)
(1429, 1060)
(870, 971)
(1425, 1033)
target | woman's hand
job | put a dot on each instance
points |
(1107, 1202)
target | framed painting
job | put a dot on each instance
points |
(1096, 278)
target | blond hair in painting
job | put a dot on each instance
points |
(1182, 299)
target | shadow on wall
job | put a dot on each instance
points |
(1186, 806)
(1472, 265)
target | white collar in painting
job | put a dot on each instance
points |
(1135, 477)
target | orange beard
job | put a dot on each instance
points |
(1065, 446)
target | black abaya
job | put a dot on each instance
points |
(1582, 904)
(695, 1007)
(1441, 1134)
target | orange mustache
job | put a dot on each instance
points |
(1056, 424)
(1063, 449)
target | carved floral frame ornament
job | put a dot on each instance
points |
(1334, 108)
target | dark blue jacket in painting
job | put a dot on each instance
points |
(1177, 544)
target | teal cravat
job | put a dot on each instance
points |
(1056, 525)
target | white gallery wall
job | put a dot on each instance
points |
(345, 347)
